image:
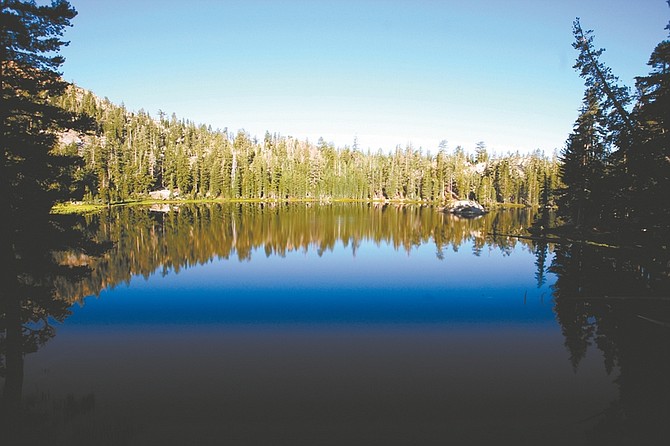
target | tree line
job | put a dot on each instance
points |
(132, 153)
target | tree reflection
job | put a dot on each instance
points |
(619, 301)
(614, 300)
(49, 264)
(146, 240)
(34, 262)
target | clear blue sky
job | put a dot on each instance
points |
(386, 72)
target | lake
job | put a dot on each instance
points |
(337, 324)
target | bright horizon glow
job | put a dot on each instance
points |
(385, 73)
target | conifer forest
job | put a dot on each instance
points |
(130, 154)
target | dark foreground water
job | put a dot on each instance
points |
(339, 324)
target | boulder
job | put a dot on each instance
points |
(466, 208)
(163, 194)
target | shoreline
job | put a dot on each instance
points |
(82, 207)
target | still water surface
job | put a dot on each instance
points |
(340, 324)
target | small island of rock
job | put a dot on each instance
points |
(466, 208)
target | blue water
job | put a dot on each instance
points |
(362, 343)
(375, 284)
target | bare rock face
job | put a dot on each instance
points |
(70, 137)
(466, 208)
(162, 194)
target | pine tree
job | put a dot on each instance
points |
(32, 177)
(583, 166)
(617, 128)
(605, 85)
(650, 162)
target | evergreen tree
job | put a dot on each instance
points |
(616, 162)
(617, 128)
(32, 176)
(650, 163)
(605, 85)
(583, 166)
(481, 156)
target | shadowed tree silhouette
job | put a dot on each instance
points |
(618, 302)
(650, 165)
(616, 161)
(33, 176)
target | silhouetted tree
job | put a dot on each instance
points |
(606, 97)
(583, 165)
(616, 162)
(649, 164)
(32, 175)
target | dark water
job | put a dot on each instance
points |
(338, 324)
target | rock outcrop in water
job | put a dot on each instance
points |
(466, 208)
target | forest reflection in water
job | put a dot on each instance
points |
(611, 299)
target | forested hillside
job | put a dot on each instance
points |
(132, 153)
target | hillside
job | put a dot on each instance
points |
(129, 154)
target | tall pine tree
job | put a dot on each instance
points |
(32, 176)
(598, 186)
(583, 166)
(650, 163)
